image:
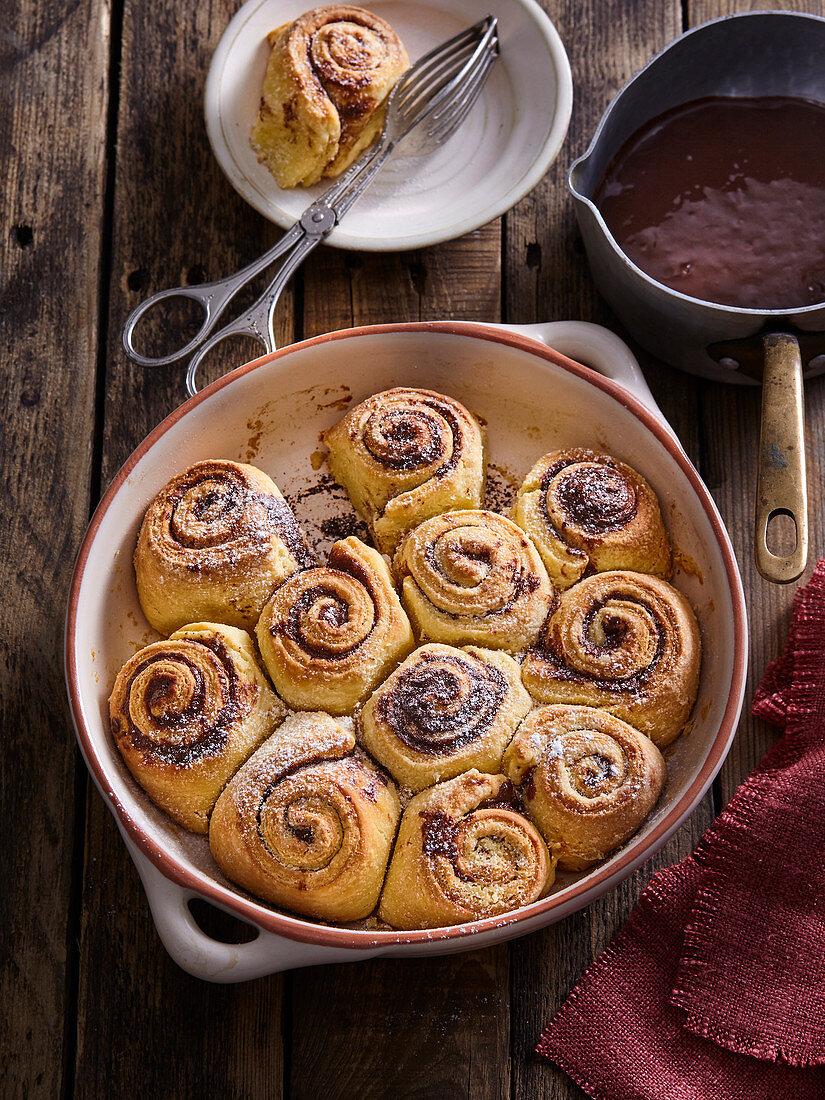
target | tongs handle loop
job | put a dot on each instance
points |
(214, 297)
(318, 220)
(258, 320)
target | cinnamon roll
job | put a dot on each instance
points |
(589, 512)
(464, 853)
(624, 641)
(587, 779)
(443, 711)
(185, 713)
(329, 635)
(405, 455)
(322, 101)
(473, 576)
(212, 546)
(308, 821)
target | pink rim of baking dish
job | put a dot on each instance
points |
(618, 868)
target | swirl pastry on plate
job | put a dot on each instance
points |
(588, 511)
(308, 821)
(322, 101)
(473, 576)
(405, 455)
(443, 711)
(586, 778)
(329, 635)
(185, 713)
(463, 853)
(212, 546)
(624, 641)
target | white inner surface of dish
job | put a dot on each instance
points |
(272, 417)
(503, 147)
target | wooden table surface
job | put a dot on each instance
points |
(109, 192)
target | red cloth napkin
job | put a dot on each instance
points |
(715, 988)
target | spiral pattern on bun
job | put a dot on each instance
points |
(405, 455)
(624, 641)
(329, 635)
(587, 779)
(322, 101)
(308, 821)
(473, 576)
(463, 853)
(186, 712)
(443, 711)
(588, 511)
(213, 544)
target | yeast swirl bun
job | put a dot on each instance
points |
(443, 711)
(186, 712)
(308, 821)
(323, 96)
(213, 544)
(623, 641)
(587, 779)
(463, 853)
(473, 576)
(405, 455)
(328, 636)
(588, 511)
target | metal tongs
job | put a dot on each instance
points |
(440, 88)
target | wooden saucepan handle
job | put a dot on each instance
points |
(781, 487)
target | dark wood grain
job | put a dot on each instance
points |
(52, 164)
(176, 219)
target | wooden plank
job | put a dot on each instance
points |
(547, 280)
(458, 281)
(431, 1027)
(52, 161)
(145, 1027)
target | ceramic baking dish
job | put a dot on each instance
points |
(270, 412)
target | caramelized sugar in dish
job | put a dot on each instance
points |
(724, 199)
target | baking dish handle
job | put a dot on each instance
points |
(601, 350)
(211, 960)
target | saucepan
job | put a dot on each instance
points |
(271, 412)
(749, 54)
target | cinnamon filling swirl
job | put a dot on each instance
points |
(441, 704)
(176, 712)
(308, 821)
(596, 498)
(588, 512)
(624, 641)
(213, 544)
(409, 437)
(186, 712)
(463, 853)
(329, 635)
(587, 778)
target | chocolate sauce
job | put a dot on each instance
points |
(724, 199)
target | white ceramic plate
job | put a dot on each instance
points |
(270, 413)
(501, 151)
